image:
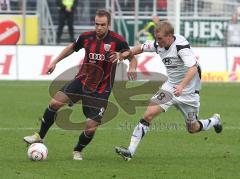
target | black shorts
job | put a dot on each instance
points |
(94, 104)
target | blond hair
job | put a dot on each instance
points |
(165, 27)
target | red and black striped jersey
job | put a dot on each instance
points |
(97, 73)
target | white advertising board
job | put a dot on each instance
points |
(33, 62)
(8, 63)
(30, 62)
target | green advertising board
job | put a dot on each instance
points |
(199, 32)
(130, 23)
(204, 32)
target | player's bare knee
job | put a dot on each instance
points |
(191, 130)
(91, 127)
(193, 127)
(59, 100)
(152, 111)
(54, 104)
(90, 131)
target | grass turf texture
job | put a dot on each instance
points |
(167, 151)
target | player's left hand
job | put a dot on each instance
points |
(132, 74)
(178, 90)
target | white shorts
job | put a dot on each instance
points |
(188, 104)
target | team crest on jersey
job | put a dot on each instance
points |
(107, 47)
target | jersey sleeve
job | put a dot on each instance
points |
(149, 46)
(188, 57)
(122, 46)
(79, 43)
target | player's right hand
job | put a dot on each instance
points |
(50, 68)
(178, 90)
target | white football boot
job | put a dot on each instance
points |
(35, 138)
(218, 127)
(77, 155)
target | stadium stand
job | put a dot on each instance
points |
(193, 18)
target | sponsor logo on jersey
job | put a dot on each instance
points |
(167, 61)
(96, 57)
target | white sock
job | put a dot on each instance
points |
(138, 133)
(208, 123)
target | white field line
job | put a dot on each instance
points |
(53, 128)
(102, 128)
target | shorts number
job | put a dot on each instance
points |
(161, 95)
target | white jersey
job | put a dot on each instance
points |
(178, 58)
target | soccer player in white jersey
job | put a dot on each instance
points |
(180, 90)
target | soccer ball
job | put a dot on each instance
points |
(37, 151)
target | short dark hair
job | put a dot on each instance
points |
(103, 12)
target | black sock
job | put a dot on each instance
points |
(201, 125)
(144, 122)
(47, 121)
(83, 141)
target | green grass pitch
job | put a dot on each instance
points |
(167, 151)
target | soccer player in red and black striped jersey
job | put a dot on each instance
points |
(92, 84)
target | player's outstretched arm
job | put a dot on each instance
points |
(65, 53)
(136, 49)
(130, 53)
(132, 74)
(115, 56)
